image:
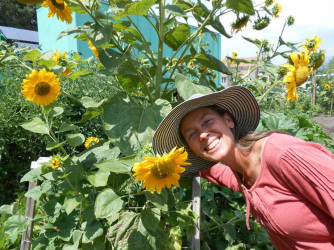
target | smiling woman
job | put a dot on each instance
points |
(280, 176)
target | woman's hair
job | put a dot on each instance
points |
(244, 142)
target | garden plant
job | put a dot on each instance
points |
(104, 188)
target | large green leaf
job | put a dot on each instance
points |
(158, 200)
(99, 179)
(139, 8)
(34, 193)
(93, 230)
(217, 25)
(176, 36)
(107, 203)
(243, 6)
(175, 10)
(131, 125)
(100, 35)
(75, 139)
(212, 62)
(150, 218)
(114, 166)
(15, 224)
(110, 58)
(71, 202)
(33, 55)
(36, 125)
(187, 88)
(32, 175)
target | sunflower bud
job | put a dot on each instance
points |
(282, 71)
(267, 3)
(291, 20)
(317, 59)
(240, 23)
(261, 23)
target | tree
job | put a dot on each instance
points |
(17, 15)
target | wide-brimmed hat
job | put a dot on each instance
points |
(236, 100)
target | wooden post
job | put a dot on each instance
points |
(30, 207)
(196, 193)
(314, 86)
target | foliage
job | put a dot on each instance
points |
(89, 199)
(18, 15)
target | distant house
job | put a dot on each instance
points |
(20, 36)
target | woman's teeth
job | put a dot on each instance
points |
(212, 145)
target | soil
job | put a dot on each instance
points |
(327, 122)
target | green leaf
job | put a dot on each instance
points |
(257, 42)
(217, 25)
(187, 88)
(114, 166)
(36, 125)
(89, 102)
(15, 225)
(100, 35)
(75, 139)
(158, 200)
(7, 209)
(93, 230)
(175, 10)
(64, 127)
(243, 6)
(53, 145)
(79, 73)
(77, 174)
(185, 4)
(139, 8)
(110, 58)
(131, 125)
(71, 203)
(212, 62)
(175, 37)
(107, 203)
(49, 64)
(99, 179)
(150, 218)
(32, 55)
(32, 175)
(34, 193)
(90, 115)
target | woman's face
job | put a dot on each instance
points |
(208, 134)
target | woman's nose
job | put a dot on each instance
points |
(203, 135)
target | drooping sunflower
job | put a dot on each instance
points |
(60, 9)
(276, 10)
(312, 43)
(93, 49)
(161, 171)
(297, 74)
(261, 23)
(91, 141)
(42, 88)
(239, 23)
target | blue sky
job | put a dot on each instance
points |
(311, 18)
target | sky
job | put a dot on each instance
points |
(312, 18)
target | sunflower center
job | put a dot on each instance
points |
(59, 6)
(42, 88)
(301, 75)
(163, 168)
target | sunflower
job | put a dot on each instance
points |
(261, 23)
(276, 10)
(55, 161)
(234, 54)
(161, 171)
(60, 9)
(240, 23)
(312, 43)
(327, 86)
(93, 49)
(91, 141)
(42, 88)
(298, 73)
(267, 3)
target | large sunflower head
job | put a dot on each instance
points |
(60, 9)
(238, 24)
(161, 171)
(42, 88)
(276, 10)
(312, 43)
(298, 73)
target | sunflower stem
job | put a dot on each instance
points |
(88, 12)
(268, 91)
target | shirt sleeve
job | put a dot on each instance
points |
(308, 170)
(221, 175)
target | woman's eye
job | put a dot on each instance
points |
(191, 135)
(206, 122)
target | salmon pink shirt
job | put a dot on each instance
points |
(293, 196)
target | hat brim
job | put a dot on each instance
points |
(236, 100)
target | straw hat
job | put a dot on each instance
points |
(236, 100)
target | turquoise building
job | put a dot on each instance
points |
(50, 28)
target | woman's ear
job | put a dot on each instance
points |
(229, 121)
